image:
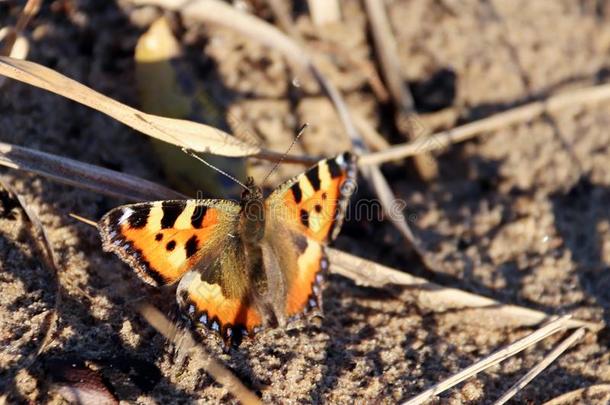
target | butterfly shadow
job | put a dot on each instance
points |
(343, 313)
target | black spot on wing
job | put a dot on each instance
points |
(334, 169)
(171, 245)
(305, 218)
(198, 215)
(139, 217)
(171, 212)
(191, 246)
(158, 237)
(313, 175)
(296, 192)
(318, 208)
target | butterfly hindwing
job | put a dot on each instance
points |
(304, 264)
(208, 304)
(161, 240)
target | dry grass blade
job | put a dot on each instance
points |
(436, 297)
(577, 396)
(48, 258)
(551, 357)
(443, 139)
(183, 133)
(495, 358)
(184, 341)
(405, 116)
(73, 172)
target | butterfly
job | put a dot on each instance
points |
(239, 267)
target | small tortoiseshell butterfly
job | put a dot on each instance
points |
(239, 267)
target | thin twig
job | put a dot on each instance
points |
(436, 297)
(73, 172)
(497, 357)
(540, 367)
(365, 66)
(183, 341)
(367, 69)
(527, 112)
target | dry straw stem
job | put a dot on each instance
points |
(578, 396)
(183, 133)
(527, 112)
(90, 177)
(540, 367)
(436, 297)
(405, 116)
(495, 358)
(221, 14)
(184, 342)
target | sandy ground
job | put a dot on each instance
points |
(521, 215)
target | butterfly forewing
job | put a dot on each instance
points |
(161, 240)
(314, 202)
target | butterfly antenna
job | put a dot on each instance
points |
(192, 153)
(83, 219)
(296, 138)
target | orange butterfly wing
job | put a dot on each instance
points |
(161, 240)
(303, 215)
(207, 304)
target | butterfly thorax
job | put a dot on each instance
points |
(252, 216)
